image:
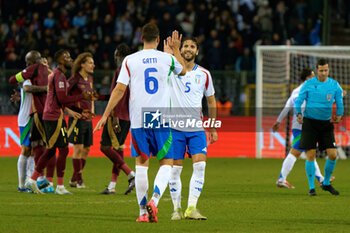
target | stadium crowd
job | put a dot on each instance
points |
(227, 30)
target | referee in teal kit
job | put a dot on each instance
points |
(319, 93)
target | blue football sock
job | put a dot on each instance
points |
(310, 173)
(328, 170)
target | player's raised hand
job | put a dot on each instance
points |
(275, 126)
(300, 118)
(213, 135)
(100, 123)
(176, 40)
(167, 49)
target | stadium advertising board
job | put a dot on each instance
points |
(236, 138)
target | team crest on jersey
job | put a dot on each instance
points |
(60, 84)
(197, 79)
(82, 86)
(329, 97)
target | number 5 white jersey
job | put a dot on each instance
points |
(147, 74)
(187, 92)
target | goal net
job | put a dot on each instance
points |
(278, 69)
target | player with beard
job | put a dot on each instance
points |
(116, 130)
(54, 123)
(186, 98)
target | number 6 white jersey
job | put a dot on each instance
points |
(147, 74)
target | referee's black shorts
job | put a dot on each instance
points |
(317, 131)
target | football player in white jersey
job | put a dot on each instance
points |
(25, 163)
(295, 151)
(147, 73)
(186, 98)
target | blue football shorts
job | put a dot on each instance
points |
(194, 142)
(150, 141)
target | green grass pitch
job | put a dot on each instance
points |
(239, 195)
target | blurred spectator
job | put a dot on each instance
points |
(265, 16)
(315, 34)
(187, 19)
(13, 61)
(223, 106)
(231, 54)
(124, 28)
(276, 39)
(246, 62)
(214, 56)
(79, 20)
(49, 21)
(300, 37)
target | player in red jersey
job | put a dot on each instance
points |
(116, 130)
(54, 123)
(38, 74)
(80, 130)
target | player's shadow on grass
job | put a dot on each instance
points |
(325, 222)
(76, 216)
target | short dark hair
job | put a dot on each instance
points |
(58, 54)
(123, 50)
(321, 62)
(150, 32)
(194, 39)
(305, 73)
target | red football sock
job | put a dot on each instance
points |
(38, 151)
(59, 180)
(43, 161)
(77, 169)
(50, 168)
(115, 173)
(82, 161)
(61, 164)
(124, 167)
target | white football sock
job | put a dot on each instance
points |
(196, 183)
(287, 166)
(161, 182)
(318, 173)
(111, 185)
(175, 186)
(141, 185)
(22, 169)
(131, 175)
(30, 166)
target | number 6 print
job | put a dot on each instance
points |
(150, 79)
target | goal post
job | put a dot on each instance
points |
(277, 74)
